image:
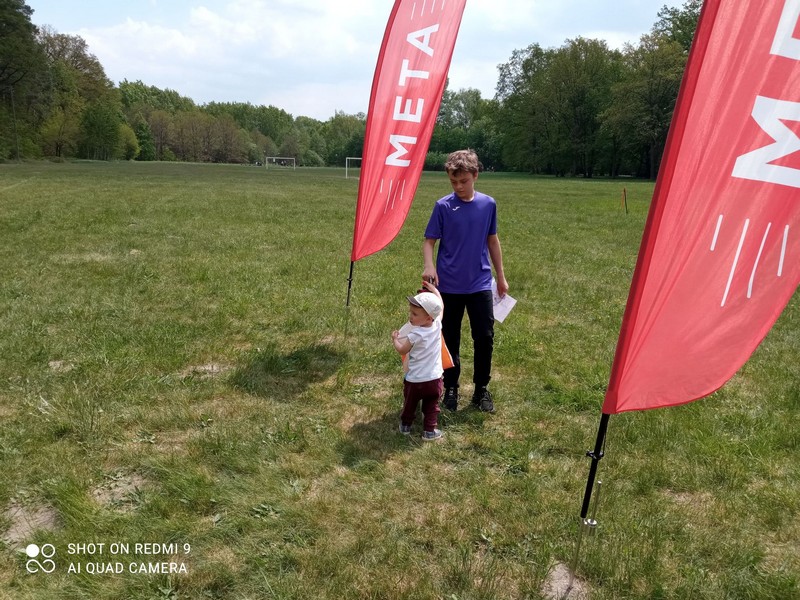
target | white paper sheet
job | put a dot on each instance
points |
(502, 306)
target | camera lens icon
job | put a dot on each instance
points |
(47, 551)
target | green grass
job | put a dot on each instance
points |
(178, 367)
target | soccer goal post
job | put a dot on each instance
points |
(280, 161)
(347, 164)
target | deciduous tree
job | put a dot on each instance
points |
(100, 130)
(644, 97)
(19, 52)
(21, 66)
(679, 24)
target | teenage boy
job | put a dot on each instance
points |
(465, 225)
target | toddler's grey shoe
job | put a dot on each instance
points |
(429, 436)
(405, 429)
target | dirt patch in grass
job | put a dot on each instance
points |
(79, 258)
(119, 491)
(60, 366)
(556, 585)
(25, 520)
(206, 371)
(687, 498)
(175, 442)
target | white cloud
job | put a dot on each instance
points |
(348, 97)
(312, 57)
(247, 51)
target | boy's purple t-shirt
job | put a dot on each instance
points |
(462, 229)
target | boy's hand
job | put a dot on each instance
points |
(502, 286)
(429, 274)
(401, 344)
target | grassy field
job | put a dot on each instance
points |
(179, 369)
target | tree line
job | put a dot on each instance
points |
(581, 109)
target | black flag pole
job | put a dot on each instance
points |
(595, 455)
(589, 524)
(349, 283)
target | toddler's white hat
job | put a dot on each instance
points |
(430, 303)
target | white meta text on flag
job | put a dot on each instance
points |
(404, 108)
(770, 113)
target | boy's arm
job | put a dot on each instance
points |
(429, 271)
(496, 254)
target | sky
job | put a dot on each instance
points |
(315, 57)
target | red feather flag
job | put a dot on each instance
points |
(720, 255)
(406, 92)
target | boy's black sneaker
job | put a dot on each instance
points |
(482, 400)
(450, 400)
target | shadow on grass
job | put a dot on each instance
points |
(373, 442)
(271, 374)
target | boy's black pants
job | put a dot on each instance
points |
(479, 308)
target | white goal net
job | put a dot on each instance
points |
(348, 169)
(283, 162)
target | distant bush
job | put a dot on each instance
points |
(311, 159)
(434, 161)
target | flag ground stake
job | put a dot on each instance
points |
(349, 283)
(589, 524)
(588, 527)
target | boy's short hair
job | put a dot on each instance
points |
(462, 160)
